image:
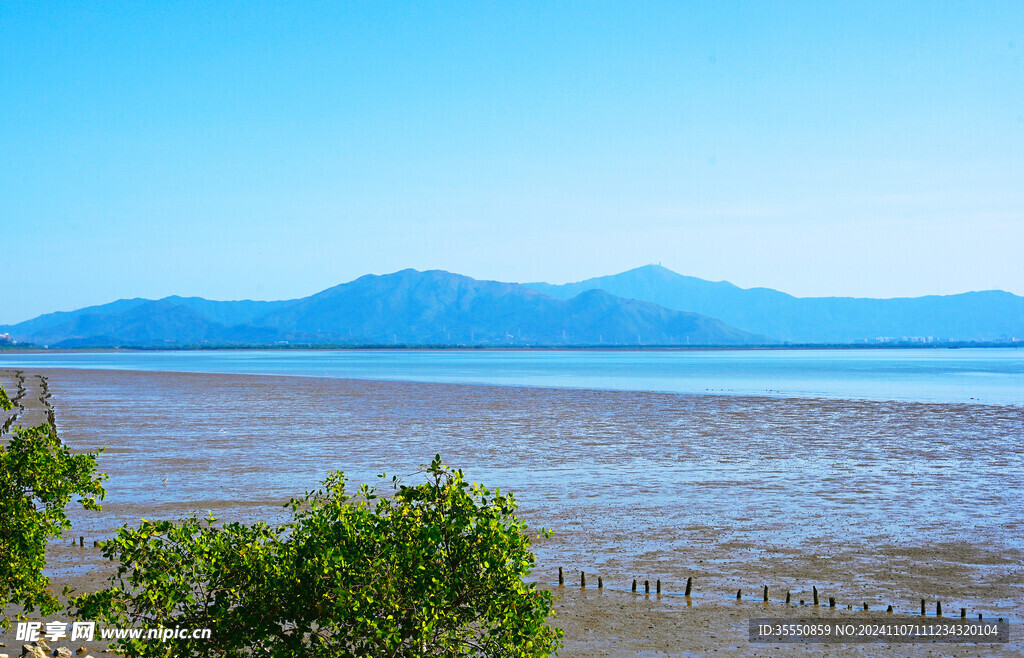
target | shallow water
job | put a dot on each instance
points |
(990, 376)
(887, 502)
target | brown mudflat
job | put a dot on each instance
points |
(878, 502)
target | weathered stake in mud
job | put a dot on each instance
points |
(659, 586)
(739, 594)
(634, 585)
(689, 585)
(815, 595)
(600, 583)
(766, 594)
(561, 577)
(583, 579)
(831, 601)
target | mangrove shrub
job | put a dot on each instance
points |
(434, 569)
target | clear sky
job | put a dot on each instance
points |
(270, 150)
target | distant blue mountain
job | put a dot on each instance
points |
(645, 306)
(991, 315)
(227, 313)
(169, 321)
(403, 308)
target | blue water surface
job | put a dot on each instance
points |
(988, 376)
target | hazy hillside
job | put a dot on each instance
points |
(973, 316)
(407, 307)
(90, 320)
(646, 306)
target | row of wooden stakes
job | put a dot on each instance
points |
(81, 542)
(16, 401)
(600, 583)
(765, 594)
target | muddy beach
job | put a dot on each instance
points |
(878, 502)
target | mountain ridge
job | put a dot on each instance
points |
(408, 307)
(649, 305)
(991, 315)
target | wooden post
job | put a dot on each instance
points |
(689, 585)
(831, 601)
(889, 609)
(865, 605)
(647, 587)
(659, 586)
(979, 616)
(561, 577)
(788, 595)
(739, 594)
(938, 608)
(766, 594)
(634, 585)
(815, 596)
(922, 608)
(963, 613)
(583, 579)
(600, 583)
(81, 542)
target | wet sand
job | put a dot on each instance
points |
(876, 502)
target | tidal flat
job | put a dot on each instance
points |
(884, 503)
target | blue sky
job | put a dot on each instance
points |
(270, 150)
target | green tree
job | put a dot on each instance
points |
(38, 479)
(434, 569)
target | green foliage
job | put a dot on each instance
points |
(38, 478)
(433, 570)
(5, 402)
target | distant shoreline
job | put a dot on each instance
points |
(35, 349)
(970, 376)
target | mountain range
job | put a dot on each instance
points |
(987, 316)
(649, 305)
(404, 308)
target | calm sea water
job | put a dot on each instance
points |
(875, 497)
(988, 376)
(880, 501)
